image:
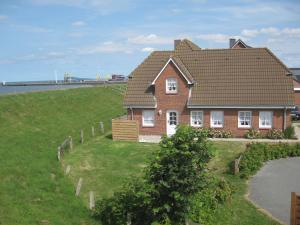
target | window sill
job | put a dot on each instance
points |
(216, 126)
(171, 93)
(265, 128)
(244, 128)
(147, 125)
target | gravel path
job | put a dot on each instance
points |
(271, 187)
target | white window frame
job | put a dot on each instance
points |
(192, 121)
(167, 85)
(212, 122)
(239, 120)
(271, 120)
(145, 122)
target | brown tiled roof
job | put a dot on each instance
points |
(222, 77)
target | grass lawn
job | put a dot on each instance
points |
(239, 211)
(104, 165)
(33, 188)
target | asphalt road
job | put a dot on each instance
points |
(271, 187)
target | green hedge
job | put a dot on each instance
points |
(258, 153)
(205, 202)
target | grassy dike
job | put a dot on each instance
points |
(33, 189)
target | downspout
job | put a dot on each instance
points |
(284, 119)
(131, 113)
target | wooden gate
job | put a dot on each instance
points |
(295, 209)
(126, 130)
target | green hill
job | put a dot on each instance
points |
(33, 189)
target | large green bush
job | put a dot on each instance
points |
(174, 174)
(258, 153)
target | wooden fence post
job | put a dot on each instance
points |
(81, 136)
(101, 125)
(93, 131)
(128, 219)
(236, 165)
(78, 186)
(68, 169)
(58, 153)
(71, 143)
(92, 200)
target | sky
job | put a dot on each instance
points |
(85, 38)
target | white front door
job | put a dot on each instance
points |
(172, 121)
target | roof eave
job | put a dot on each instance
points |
(173, 61)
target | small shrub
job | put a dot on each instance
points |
(275, 134)
(253, 134)
(204, 203)
(215, 133)
(289, 133)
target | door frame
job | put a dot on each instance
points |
(167, 118)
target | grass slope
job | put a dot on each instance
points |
(33, 189)
(105, 165)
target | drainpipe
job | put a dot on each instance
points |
(284, 119)
(131, 113)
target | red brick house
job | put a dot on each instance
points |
(233, 89)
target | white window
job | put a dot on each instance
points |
(197, 118)
(217, 119)
(171, 85)
(265, 119)
(148, 118)
(244, 119)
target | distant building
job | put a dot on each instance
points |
(233, 43)
(116, 77)
(296, 82)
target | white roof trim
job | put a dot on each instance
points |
(170, 60)
(239, 107)
(239, 41)
(140, 107)
(296, 89)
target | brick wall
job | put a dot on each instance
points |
(230, 120)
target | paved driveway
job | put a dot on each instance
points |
(271, 187)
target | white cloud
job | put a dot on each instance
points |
(220, 38)
(32, 29)
(102, 6)
(147, 49)
(106, 47)
(269, 30)
(150, 39)
(76, 34)
(250, 33)
(272, 31)
(3, 18)
(34, 57)
(78, 23)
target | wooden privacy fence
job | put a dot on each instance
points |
(295, 209)
(126, 130)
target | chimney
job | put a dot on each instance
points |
(231, 42)
(176, 43)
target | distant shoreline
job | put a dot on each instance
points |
(50, 83)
